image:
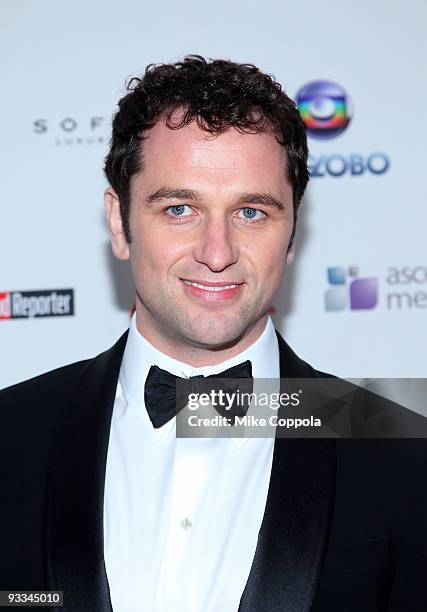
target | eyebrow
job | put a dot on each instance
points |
(261, 198)
(170, 193)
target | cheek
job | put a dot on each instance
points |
(268, 256)
(152, 257)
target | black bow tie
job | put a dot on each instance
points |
(163, 401)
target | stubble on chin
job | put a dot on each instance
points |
(175, 325)
(210, 331)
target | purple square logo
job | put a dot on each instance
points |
(348, 291)
(363, 293)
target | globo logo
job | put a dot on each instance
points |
(354, 164)
(326, 109)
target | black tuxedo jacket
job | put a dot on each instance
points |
(344, 529)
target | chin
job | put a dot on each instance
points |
(214, 336)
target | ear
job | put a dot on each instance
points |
(290, 255)
(119, 243)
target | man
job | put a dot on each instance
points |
(100, 499)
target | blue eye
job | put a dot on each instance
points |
(178, 210)
(251, 213)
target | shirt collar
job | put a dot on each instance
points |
(139, 355)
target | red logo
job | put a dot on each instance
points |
(5, 310)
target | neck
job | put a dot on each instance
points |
(183, 350)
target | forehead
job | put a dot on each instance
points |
(191, 147)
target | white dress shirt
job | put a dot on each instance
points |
(181, 516)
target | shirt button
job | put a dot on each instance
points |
(186, 524)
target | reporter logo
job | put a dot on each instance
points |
(36, 304)
(326, 109)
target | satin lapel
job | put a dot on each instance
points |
(74, 527)
(294, 533)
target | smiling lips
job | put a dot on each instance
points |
(212, 292)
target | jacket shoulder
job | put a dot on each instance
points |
(54, 383)
(30, 410)
(41, 399)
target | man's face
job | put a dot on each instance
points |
(215, 211)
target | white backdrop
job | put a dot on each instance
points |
(63, 70)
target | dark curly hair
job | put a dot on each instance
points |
(218, 94)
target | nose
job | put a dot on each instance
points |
(216, 246)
